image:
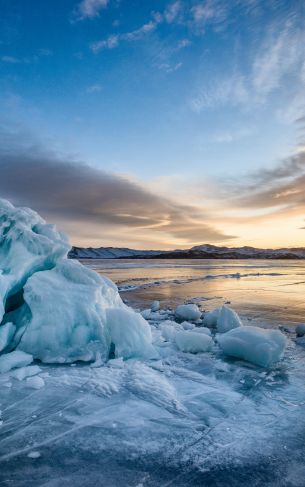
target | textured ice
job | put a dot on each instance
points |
(188, 312)
(190, 341)
(210, 318)
(14, 359)
(7, 332)
(130, 334)
(155, 306)
(256, 345)
(68, 314)
(24, 372)
(56, 309)
(27, 245)
(227, 320)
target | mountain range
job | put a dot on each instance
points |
(198, 252)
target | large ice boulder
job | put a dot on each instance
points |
(27, 244)
(68, 313)
(56, 309)
(257, 345)
(187, 312)
(227, 320)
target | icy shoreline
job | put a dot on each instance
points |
(96, 393)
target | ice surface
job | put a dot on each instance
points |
(35, 382)
(256, 345)
(14, 359)
(7, 332)
(188, 312)
(202, 329)
(227, 320)
(190, 341)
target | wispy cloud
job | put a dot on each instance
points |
(109, 43)
(96, 88)
(89, 9)
(276, 59)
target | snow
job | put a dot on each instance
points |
(227, 320)
(253, 344)
(300, 330)
(7, 332)
(13, 360)
(190, 341)
(130, 333)
(188, 312)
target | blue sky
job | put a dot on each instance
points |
(181, 98)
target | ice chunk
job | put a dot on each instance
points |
(186, 325)
(13, 360)
(34, 454)
(27, 244)
(146, 313)
(130, 334)
(188, 312)
(35, 382)
(7, 332)
(257, 345)
(300, 330)
(210, 318)
(227, 320)
(155, 306)
(24, 372)
(190, 341)
(68, 314)
(202, 329)
(168, 330)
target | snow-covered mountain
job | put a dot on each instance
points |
(198, 252)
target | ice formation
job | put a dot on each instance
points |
(12, 360)
(190, 341)
(257, 345)
(210, 318)
(227, 320)
(53, 308)
(188, 312)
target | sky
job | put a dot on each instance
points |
(156, 124)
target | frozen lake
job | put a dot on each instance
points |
(270, 290)
(183, 420)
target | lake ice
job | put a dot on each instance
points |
(154, 402)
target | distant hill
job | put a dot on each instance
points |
(198, 252)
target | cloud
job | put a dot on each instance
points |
(79, 196)
(113, 40)
(110, 43)
(94, 89)
(89, 9)
(10, 59)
